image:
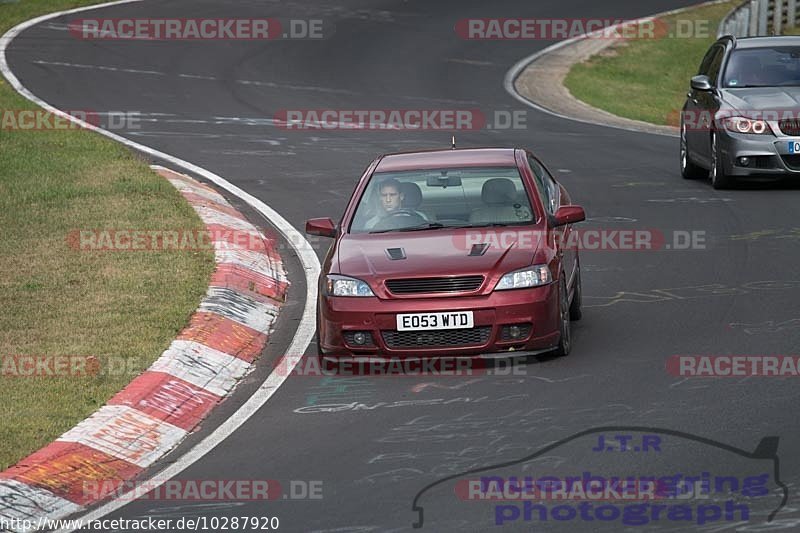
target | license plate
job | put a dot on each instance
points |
(794, 147)
(428, 321)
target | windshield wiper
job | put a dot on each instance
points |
(429, 225)
(487, 225)
(439, 225)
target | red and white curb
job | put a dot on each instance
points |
(159, 408)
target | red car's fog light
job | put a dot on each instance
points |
(358, 338)
(515, 332)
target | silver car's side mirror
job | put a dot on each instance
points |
(701, 83)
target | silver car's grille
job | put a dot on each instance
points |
(432, 285)
(790, 126)
(792, 161)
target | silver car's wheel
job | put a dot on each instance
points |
(717, 172)
(689, 170)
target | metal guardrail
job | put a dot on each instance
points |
(760, 17)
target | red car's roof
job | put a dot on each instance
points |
(468, 157)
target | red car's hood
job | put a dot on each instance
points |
(437, 253)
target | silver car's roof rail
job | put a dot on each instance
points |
(726, 37)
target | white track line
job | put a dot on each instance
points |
(514, 72)
(308, 258)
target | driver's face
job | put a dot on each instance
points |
(391, 198)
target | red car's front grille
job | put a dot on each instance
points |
(431, 285)
(437, 338)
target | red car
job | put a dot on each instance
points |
(450, 252)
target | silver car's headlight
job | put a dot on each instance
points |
(345, 286)
(747, 125)
(527, 277)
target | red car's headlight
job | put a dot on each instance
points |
(337, 285)
(527, 277)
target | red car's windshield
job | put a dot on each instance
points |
(427, 199)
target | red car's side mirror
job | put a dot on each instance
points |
(569, 214)
(324, 227)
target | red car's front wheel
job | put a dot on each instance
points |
(565, 329)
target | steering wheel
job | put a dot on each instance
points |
(405, 212)
(401, 218)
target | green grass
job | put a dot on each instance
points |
(120, 307)
(647, 79)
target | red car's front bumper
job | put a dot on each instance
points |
(534, 312)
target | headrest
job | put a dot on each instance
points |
(498, 191)
(412, 194)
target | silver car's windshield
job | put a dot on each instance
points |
(433, 199)
(763, 67)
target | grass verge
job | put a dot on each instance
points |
(648, 79)
(123, 308)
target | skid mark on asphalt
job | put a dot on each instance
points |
(472, 62)
(99, 67)
(349, 393)
(692, 200)
(443, 445)
(192, 135)
(684, 380)
(598, 268)
(770, 326)
(422, 386)
(257, 153)
(440, 100)
(358, 406)
(688, 293)
(257, 83)
(780, 233)
(334, 389)
(640, 184)
(192, 510)
(551, 380)
(197, 77)
(359, 529)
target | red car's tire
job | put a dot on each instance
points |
(565, 329)
(575, 311)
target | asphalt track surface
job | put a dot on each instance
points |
(209, 103)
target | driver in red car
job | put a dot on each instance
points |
(391, 200)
